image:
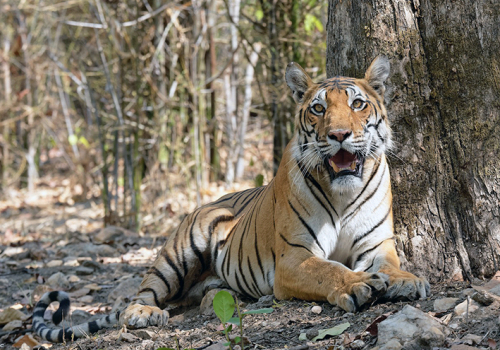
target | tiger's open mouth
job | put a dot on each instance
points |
(344, 163)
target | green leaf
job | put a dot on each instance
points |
(226, 343)
(276, 304)
(267, 310)
(302, 336)
(259, 14)
(337, 330)
(237, 340)
(228, 329)
(224, 305)
(235, 320)
(73, 139)
(259, 180)
(84, 141)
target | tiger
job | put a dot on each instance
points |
(321, 230)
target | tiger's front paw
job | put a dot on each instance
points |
(361, 288)
(406, 286)
(141, 316)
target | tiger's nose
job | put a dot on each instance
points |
(339, 135)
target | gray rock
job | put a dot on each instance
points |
(444, 304)
(410, 324)
(82, 271)
(58, 281)
(483, 298)
(127, 289)
(206, 305)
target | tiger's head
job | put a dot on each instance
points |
(342, 122)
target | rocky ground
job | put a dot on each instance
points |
(56, 246)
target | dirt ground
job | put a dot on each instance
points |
(42, 235)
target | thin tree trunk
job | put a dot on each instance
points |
(247, 102)
(446, 118)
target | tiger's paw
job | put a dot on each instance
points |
(406, 286)
(360, 290)
(141, 316)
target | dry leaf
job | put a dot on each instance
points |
(10, 315)
(26, 340)
(373, 327)
(492, 344)
(13, 325)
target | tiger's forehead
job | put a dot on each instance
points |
(352, 91)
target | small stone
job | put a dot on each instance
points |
(58, 280)
(472, 339)
(358, 344)
(206, 305)
(87, 299)
(483, 298)
(91, 264)
(444, 304)
(73, 278)
(83, 271)
(71, 261)
(311, 333)
(266, 300)
(392, 344)
(79, 293)
(55, 263)
(128, 337)
(144, 334)
(453, 326)
(316, 309)
(347, 314)
(461, 309)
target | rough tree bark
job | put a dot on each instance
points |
(445, 115)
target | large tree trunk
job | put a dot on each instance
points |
(445, 115)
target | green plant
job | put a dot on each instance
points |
(224, 306)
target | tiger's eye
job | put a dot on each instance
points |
(357, 104)
(319, 108)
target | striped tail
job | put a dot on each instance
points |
(65, 334)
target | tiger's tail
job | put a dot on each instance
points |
(65, 334)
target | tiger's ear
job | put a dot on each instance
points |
(377, 74)
(297, 80)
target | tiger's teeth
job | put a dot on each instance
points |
(334, 166)
(353, 165)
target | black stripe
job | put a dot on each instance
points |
(293, 245)
(53, 296)
(179, 276)
(255, 284)
(309, 177)
(358, 207)
(362, 255)
(93, 327)
(366, 185)
(249, 199)
(357, 239)
(152, 292)
(160, 275)
(308, 228)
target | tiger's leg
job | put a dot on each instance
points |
(402, 285)
(302, 275)
(179, 266)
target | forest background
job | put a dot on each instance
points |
(148, 108)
